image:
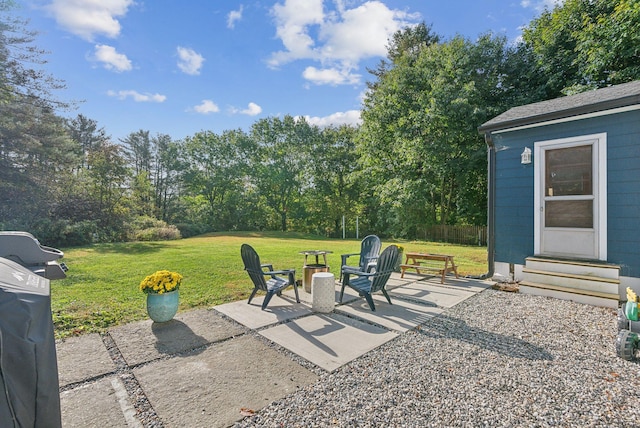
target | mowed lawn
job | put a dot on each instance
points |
(101, 289)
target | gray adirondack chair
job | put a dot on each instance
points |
(366, 283)
(278, 279)
(369, 251)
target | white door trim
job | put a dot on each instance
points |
(600, 170)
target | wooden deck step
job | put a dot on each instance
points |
(590, 282)
(572, 290)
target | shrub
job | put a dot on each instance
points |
(193, 229)
(166, 233)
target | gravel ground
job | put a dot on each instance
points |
(497, 360)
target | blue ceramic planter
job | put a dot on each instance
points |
(163, 307)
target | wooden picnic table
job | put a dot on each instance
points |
(441, 263)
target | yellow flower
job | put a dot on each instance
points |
(161, 282)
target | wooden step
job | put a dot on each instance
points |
(571, 276)
(576, 267)
(572, 290)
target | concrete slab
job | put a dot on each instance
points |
(401, 316)
(103, 403)
(328, 341)
(252, 316)
(145, 341)
(469, 284)
(81, 358)
(307, 298)
(212, 388)
(430, 293)
(396, 281)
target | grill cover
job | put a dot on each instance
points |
(29, 388)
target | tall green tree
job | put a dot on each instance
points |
(333, 193)
(87, 136)
(216, 171)
(583, 44)
(419, 142)
(109, 176)
(22, 75)
(167, 166)
(35, 152)
(283, 148)
(137, 147)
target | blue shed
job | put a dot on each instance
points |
(564, 195)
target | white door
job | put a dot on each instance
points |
(570, 189)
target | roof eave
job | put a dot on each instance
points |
(561, 114)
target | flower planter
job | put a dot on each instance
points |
(396, 267)
(163, 307)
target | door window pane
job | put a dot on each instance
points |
(577, 214)
(568, 171)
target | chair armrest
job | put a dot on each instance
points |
(344, 257)
(280, 272)
(356, 272)
(267, 265)
(372, 263)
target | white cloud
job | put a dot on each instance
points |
(252, 109)
(362, 32)
(111, 59)
(137, 96)
(292, 20)
(206, 107)
(351, 117)
(338, 40)
(540, 5)
(88, 18)
(233, 16)
(330, 76)
(189, 61)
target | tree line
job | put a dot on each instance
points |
(416, 160)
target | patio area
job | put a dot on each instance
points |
(213, 366)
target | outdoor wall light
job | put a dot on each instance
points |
(525, 157)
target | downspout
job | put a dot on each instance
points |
(491, 202)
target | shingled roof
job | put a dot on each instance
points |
(622, 95)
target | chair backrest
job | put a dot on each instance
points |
(369, 249)
(386, 264)
(252, 266)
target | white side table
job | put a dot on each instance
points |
(323, 292)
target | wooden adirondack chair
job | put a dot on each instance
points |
(367, 283)
(278, 279)
(369, 251)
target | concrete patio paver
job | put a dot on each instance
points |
(281, 308)
(400, 316)
(444, 296)
(103, 403)
(328, 341)
(210, 388)
(81, 358)
(307, 298)
(144, 341)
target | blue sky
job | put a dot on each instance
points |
(178, 67)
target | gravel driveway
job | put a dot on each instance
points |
(497, 360)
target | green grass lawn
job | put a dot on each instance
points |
(101, 289)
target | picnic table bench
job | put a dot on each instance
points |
(440, 263)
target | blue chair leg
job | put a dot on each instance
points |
(387, 296)
(295, 289)
(267, 298)
(370, 301)
(253, 293)
(292, 282)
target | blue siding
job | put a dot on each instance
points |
(514, 187)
